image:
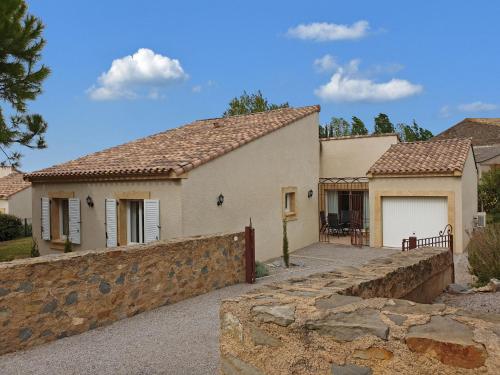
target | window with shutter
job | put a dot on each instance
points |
(45, 218)
(151, 220)
(111, 223)
(74, 221)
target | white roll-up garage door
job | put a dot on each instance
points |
(404, 216)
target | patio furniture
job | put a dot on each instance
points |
(324, 223)
(334, 226)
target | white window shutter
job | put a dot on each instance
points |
(111, 223)
(151, 220)
(74, 220)
(45, 218)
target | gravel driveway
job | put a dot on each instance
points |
(176, 339)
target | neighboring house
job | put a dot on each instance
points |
(205, 177)
(15, 193)
(485, 134)
(420, 187)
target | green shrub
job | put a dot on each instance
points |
(10, 227)
(484, 254)
(68, 247)
(34, 248)
(286, 255)
(261, 270)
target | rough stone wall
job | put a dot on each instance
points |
(321, 325)
(46, 298)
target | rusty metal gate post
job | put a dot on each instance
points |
(250, 254)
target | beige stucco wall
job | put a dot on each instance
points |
(93, 234)
(469, 197)
(406, 186)
(20, 204)
(251, 178)
(352, 156)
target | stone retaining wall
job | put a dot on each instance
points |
(46, 298)
(350, 322)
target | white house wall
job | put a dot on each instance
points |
(20, 204)
(93, 233)
(251, 178)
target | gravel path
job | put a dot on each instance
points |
(478, 302)
(176, 339)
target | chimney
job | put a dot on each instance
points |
(6, 170)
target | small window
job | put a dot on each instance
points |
(289, 205)
(63, 218)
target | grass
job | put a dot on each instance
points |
(15, 249)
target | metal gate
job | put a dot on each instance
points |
(343, 209)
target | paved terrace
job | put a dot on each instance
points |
(182, 338)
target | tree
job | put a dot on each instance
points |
(413, 133)
(358, 126)
(383, 125)
(21, 78)
(338, 127)
(253, 103)
(489, 191)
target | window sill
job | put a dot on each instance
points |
(291, 216)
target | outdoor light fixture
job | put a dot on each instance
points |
(309, 194)
(220, 199)
(90, 202)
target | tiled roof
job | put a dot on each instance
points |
(11, 184)
(416, 158)
(178, 150)
(483, 131)
(485, 153)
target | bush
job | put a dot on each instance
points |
(68, 247)
(261, 270)
(34, 248)
(10, 227)
(484, 254)
(286, 255)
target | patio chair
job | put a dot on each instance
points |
(324, 223)
(334, 226)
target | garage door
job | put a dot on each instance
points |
(403, 216)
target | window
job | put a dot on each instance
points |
(63, 218)
(289, 205)
(135, 221)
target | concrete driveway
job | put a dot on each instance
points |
(176, 339)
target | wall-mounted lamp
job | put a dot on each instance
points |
(89, 201)
(220, 199)
(309, 194)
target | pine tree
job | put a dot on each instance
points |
(21, 44)
(339, 127)
(358, 126)
(413, 133)
(253, 103)
(383, 125)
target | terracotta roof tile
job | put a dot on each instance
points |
(178, 150)
(483, 131)
(416, 158)
(11, 184)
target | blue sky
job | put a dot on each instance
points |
(436, 62)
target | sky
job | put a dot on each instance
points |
(126, 69)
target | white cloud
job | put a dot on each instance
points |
(326, 63)
(445, 111)
(347, 85)
(477, 107)
(144, 69)
(323, 31)
(196, 89)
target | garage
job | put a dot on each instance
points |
(405, 216)
(419, 188)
